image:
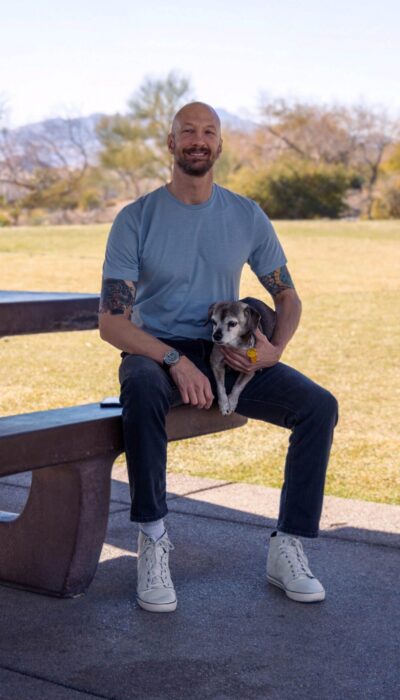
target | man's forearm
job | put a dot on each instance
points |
(288, 312)
(287, 305)
(124, 335)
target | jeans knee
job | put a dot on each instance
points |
(327, 406)
(144, 384)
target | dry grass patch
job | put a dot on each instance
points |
(347, 274)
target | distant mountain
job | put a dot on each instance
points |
(90, 122)
(232, 121)
(64, 132)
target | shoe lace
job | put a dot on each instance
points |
(292, 549)
(156, 558)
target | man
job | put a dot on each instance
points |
(169, 256)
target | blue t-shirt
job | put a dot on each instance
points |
(185, 257)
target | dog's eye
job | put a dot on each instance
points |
(231, 324)
(213, 322)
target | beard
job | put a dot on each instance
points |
(197, 168)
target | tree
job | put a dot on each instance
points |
(387, 195)
(239, 151)
(125, 152)
(353, 137)
(44, 166)
(134, 145)
(391, 164)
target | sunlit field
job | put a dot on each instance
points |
(348, 277)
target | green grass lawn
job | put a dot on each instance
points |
(348, 277)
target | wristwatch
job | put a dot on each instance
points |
(171, 358)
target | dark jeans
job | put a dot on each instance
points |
(278, 395)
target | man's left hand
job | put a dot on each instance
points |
(267, 355)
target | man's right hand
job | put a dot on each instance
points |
(194, 386)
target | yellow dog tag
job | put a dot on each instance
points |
(252, 354)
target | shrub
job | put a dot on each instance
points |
(5, 220)
(297, 191)
(387, 203)
(90, 200)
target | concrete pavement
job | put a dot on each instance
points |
(233, 635)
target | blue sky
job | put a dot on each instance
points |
(85, 56)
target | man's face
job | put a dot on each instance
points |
(195, 140)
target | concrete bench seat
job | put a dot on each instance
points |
(54, 545)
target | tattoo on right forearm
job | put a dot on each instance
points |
(117, 297)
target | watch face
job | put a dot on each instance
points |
(171, 357)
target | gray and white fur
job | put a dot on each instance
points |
(234, 324)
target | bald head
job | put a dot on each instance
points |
(194, 111)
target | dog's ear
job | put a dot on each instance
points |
(210, 313)
(252, 317)
(211, 310)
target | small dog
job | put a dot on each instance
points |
(234, 324)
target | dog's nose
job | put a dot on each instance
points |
(217, 335)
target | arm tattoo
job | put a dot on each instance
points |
(117, 297)
(277, 281)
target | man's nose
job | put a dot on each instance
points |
(198, 139)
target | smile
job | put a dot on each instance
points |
(198, 154)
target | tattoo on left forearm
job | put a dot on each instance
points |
(277, 281)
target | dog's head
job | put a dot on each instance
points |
(234, 323)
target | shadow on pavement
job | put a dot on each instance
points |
(232, 635)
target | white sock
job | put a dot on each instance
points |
(286, 534)
(155, 529)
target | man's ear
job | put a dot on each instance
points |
(219, 151)
(171, 143)
(253, 318)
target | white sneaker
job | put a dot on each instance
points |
(287, 568)
(155, 590)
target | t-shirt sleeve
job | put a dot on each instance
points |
(267, 253)
(122, 251)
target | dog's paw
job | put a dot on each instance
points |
(224, 407)
(233, 402)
